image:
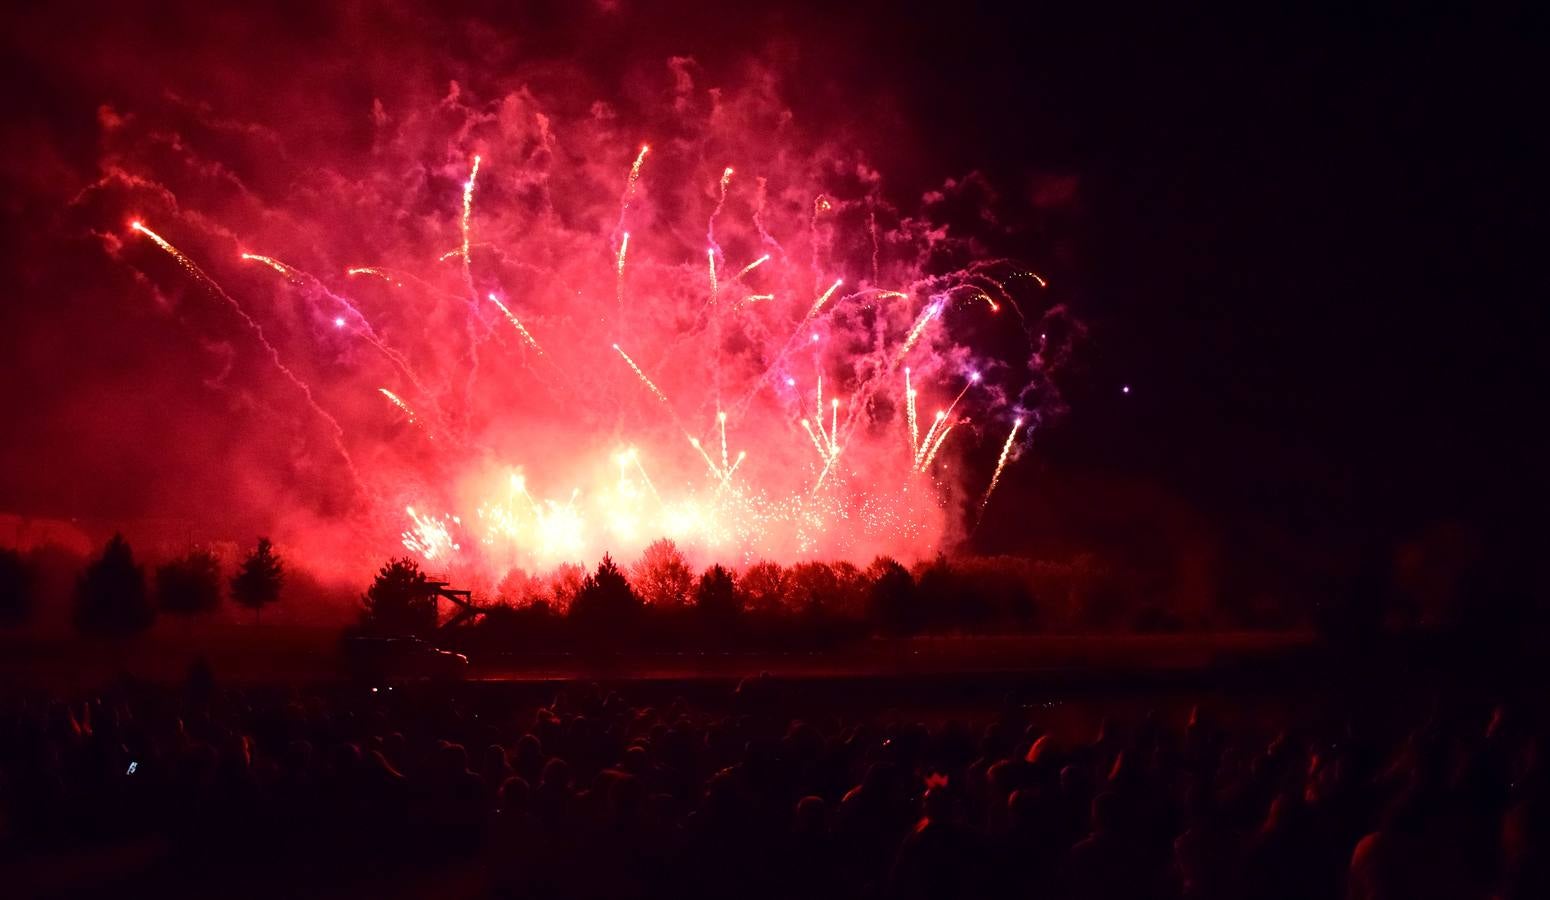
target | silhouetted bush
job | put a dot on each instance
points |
(110, 597)
(17, 581)
(189, 584)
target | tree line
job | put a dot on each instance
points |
(116, 596)
(661, 600)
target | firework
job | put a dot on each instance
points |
(644, 380)
(751, 266)
(822, 299)
(272, 263)
(629, 190)
(468, 214)
(374, 271)
(941, 439)
(263, 340)
(1006, 451)
(547, 456)
(926, 318)
(517, 324)
(396, 401)
(431, 537)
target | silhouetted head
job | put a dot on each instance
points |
(1022, 809)
(453, 758)
(1105, 813)
(937, 805)
(556, 774)
(812, 815)
(626, 795)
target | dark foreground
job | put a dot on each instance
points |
(266, 654)
(1288, 774)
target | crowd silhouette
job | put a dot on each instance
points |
(744, 795)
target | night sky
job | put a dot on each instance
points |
(1305, 241)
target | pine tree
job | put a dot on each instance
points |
(398, 601)
(715, 597)
(110, 597)
(257, 582)
(606, 602)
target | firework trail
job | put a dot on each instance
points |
(634, 457)
(263, 340)
(823, 452)
(375, 271)
(396, 401)
(624, 245)
(644, 380)
(721, 200)
(272, 263)
(709, 463)
(780, 358)
(298, 277)
(818, 304)
(741, 455)
(468, 215)
(629, 188)
(721, 421)
(974, 378)
(825, 473)
(940, 439)
(517, 324)
(926, 318)
(1006, 451)
(909, 399)
(751, 266)
(818, 412)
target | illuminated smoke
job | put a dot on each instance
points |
(733, 248)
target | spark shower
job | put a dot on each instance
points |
(518, 332)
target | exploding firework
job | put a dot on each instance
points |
(743, 299)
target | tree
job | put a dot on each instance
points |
(110, 597)
(606, 602)
(399, 600)
(518, 588)
(565, 584)
(257, 582)
(715, 596)
(663, 578)
(812, 586)
(893, 603)
(189, 584)
(763, 587)
(16, 585)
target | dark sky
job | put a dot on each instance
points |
(1305, 240)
